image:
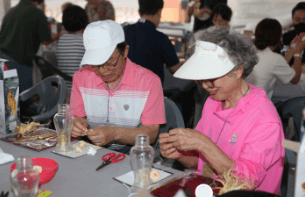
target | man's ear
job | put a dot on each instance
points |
(126, 51)
(159, 12)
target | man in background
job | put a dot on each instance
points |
(24, 28)
(149, 47)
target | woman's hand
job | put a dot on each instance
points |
(79, 127)
(202, 11)
(166, 148)
(190, 11)
(186, 139)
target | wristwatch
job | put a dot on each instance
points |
(297, 55)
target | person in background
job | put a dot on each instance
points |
(149, 47)
(99, 10)
(113, 96)
(205, 8)
(65, 5)
(70, 47)
(240, 128)
(24, 28)
(221, 15)
(271, 65)
(298, 20)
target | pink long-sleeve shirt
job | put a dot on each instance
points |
(252, 137)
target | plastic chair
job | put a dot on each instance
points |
(177, 45)
(173, 120)
(47, 69)
(51, 91)
(292, 107)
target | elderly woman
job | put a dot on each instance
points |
(240, 127)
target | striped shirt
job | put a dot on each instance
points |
(137, 99)
(69, 53)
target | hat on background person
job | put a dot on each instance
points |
(100, 40)
(208, 62)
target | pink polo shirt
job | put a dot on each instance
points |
(252, 137)
(137, 99)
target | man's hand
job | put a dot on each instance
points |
(79, 127)
(300, 44)
(101, 136)
(166, 148)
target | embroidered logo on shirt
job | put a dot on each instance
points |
(126, 107)
(234, 139)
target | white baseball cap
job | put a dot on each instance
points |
(208, 62)
(100, 40)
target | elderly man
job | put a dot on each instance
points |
(114, 97)
(289, 38)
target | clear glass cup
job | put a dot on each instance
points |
(25, 179)
(63, 122)
(141, 155)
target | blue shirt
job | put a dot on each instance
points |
(150, 48)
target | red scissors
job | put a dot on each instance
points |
(111, 158)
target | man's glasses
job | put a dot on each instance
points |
(110, 66)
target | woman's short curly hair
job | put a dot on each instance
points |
(240, 49)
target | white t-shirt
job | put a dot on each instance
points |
(270, 67)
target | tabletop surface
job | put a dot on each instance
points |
(76, 177)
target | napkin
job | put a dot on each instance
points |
(91, 151)
(5, 158)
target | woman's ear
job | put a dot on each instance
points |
(238, 73)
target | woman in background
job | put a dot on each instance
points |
(206, 7)
(220, 16)
(271, 65)
(70, 48)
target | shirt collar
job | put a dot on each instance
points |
(147, 22)
(26, 3)
(127, 78)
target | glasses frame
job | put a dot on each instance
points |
(111, 66)
(207, 82)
